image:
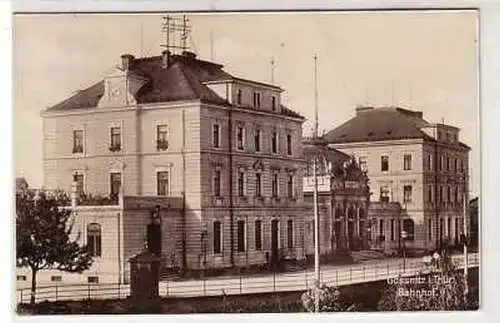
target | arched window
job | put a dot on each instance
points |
(94, 239)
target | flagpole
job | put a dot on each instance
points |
(315, 197)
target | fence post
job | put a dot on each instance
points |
(274, 281)
(88, 291)
(56, 293)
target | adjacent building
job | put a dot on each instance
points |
(422, 166)
(343, 200)
(179, 127)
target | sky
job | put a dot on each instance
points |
(422, 60)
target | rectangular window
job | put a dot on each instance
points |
(241, 184)
(275, 185)
(455, 165)
(429, 232)
(258, 184)
(216, 136)
(448, 228)
(429, 162)
(407, 162)
(256, 100)
(447, 164)
(217, 182)
(363, 164)
(274, 142)
(162, 183)
(239, 137)
(21, 278)
(289, 235)
(392, 229)
(79, 184)
(161, 137)
(273, 103)
(257, 139)
(93, 279)
(258, 235)
(456, 229)
(407, 193)
(55, 279)
(449, 194)
(217, 237)
(77, 141)
(241, 235)
(441, 163)
(116, 138)
(430, 193)
(290, 185)
(461, 166)
(384, 163)
(115, 180)
(441, 195)
(289, 144)
(238, 97)
(384, 194)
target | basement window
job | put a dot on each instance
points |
(55, 279)
(93, 279)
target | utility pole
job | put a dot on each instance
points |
(466, 260)
(315, 197)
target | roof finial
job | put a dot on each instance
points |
(272, 69)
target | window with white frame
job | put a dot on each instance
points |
(161, 137)
(384, 163)
(116, 139)
(162, 183)
(407, 191)
(216, 135)
(94, 240)
(407, 162)
(115, 183)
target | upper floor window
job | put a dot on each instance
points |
(407, 162)
(461, 165)
(162, 183)
(217, 184)
(289, 185)
(258, 184)
(94, 239)
(429, 162)
(273, 103)
(363, 164)
(238, 97)
(289, 235)
(116, 139)
(256, 100)
(384, 163)
(384, 194)
(455, 165)
(274, 142)
(78, 178)
(441, 163)
(447, 163)
(448, 195)
(407, 193)
(289, 144)
(161, 137)
(241, 183)
(240, 133)
(257, 139)
(77, 141)
(275, 183)
(216, 136)
(430, 193)
(115, 180)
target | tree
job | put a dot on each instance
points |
(330, 300)
(43, 239)
(441, 290)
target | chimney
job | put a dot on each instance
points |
(361, 109)
(166, 58)
(127, 61)
(189, 54)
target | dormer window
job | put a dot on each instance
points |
(256, 100)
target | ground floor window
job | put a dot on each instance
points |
(241, 235)
(258, 235)
(290, 233)
(217, 235)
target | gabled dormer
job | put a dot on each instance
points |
(122, 85)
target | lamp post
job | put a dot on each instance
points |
(404, 235)
(466, 260)
(204, 233)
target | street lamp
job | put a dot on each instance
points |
(404, 235)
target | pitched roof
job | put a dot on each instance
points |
(380, 124)
(318, 148)
(184, 79)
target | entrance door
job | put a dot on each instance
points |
(274, 242)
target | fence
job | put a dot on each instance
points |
(277, 282)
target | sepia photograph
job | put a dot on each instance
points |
(246, 162)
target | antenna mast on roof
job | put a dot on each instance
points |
(272, 69)
(176, 31)
(316, 122)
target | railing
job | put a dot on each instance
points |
(236, 285)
